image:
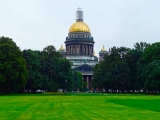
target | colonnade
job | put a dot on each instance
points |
(79, 49)
(88, 79)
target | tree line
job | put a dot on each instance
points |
(123, 69)
(129, 70)
(30, 70)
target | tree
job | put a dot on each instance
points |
(13, 72)
(124, 76)
(80, 81)
(152, 76)
(33, 61)
(98, 76)
(112, 73)
(150, 54)
(132, 58)
(63, 72)
(49, 58)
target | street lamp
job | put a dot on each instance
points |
(66, 86)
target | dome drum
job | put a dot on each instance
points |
(79, 35)
(80, 49)
(80, 39)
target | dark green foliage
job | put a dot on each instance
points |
(33, 62)
(13, 72)
(147, 75)
(152, 52)
(152, 76)
(122, 70)
(49, 57)
(75, 81)
(126, 69)
(112, 73)
(47, 70)
(31, 70)
(63, 72)
(79, 83)
(135, 69)
(99, 76)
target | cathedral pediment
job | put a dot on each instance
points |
(83, 68)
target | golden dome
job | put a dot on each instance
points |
(61, 48)
(79, 27)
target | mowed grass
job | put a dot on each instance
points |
(80, 107)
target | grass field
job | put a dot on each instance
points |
(80, 107)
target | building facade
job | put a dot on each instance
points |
(79, 49)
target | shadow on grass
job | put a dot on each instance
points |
(153, 105)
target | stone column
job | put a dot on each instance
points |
(93, 48)
(86, 50)
(89, 49)
(87, 82)
(91, 81)
(68, 49)
(71, 49)
(82, 49)
(79, 50)
(74, 50)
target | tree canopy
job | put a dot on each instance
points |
(125, 69)
(122, 70)
(13, 72)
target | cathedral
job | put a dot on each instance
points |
(79, 49)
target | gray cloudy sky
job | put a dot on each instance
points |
(35, 24)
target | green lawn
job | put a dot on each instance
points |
(80, 107)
